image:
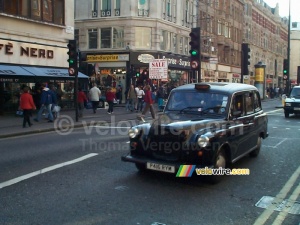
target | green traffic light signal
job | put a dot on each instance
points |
(194, 52)
(284, 71)
(137, 74)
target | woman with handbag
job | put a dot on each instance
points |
(27, 105)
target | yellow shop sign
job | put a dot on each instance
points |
(107, 58)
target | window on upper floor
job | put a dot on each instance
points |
(143, 7)
(93, 38)
(39, 10)
(105, 37)
(143, 37)
(169, 8)
(174, 43)
(105, 8)
(76, 37)
(118, 37)
(219, 27)
(117, 7)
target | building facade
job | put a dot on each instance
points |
(33, 46)
(119, 38)
(294, 54)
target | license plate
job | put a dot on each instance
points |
(296, 108)
(161, 167)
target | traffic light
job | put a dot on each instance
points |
(285, 67)
(137, 74)
(195, 50)
(246, 58)
(72, 57)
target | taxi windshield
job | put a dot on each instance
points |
(295, 93)
(197, 101)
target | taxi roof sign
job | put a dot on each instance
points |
(201, 86)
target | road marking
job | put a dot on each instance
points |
(45, 170)
(111, 127)
(276, 110)
(281, 195)
(282, 215)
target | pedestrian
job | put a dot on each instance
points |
(131, 98)
(140, 97)
(46, 102)
(27, 105)
(54, 103)
(110, 97)
(160, 96)
(94, 95)
(149, 102)
(119, 94)
(81, 100)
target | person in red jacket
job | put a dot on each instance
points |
(27, 105)
(149, 102)
(110, 96)
(81, 99)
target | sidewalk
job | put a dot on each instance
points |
(11, 125)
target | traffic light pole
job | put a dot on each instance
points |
(288, 83)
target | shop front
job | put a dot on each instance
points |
(14, 77)
(30, 64)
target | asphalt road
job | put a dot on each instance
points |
(79, 179)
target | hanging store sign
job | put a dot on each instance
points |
(107, 58)
(158, 69)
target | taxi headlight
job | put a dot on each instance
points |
(288, 104)
(133, 132)
(203, 141)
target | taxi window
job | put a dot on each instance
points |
(257, 103)
(249, 103)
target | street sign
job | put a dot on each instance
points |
(71, 71)
(194, 64)
(158, 69)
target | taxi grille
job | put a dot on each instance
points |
(166, 144)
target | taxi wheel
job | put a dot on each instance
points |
(219, 162)
(286, 115)
(141, 167)
(256, 151)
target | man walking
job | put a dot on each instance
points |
(46, 103)
(94, 95)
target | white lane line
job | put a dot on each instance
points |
(276, 110)
(45, 170)
(262, 219)
(111, 127)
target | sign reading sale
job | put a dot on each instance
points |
(158, 69)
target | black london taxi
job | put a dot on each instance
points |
(292, 102)
(203, 124)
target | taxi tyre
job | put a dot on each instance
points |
(140, 167)
(256, 151)
(286, 115)
(220, 161)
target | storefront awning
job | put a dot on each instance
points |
(44, 72)
(7, 70)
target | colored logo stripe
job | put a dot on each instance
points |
(186, 170)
